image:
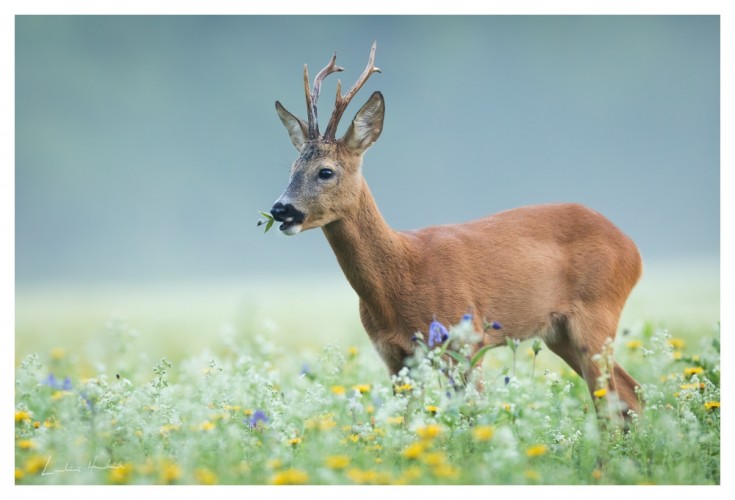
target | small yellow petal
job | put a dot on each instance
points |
(337, 461)
(483, 433)
(600, 393)
(537, 450)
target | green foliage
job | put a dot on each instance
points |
(257, 414)
(269, 220)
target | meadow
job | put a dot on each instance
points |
(230, 386)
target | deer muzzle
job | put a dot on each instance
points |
(290, 217)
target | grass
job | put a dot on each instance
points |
(299, 397)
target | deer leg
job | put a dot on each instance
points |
(588, 333)
(626, 389)
(566, 352)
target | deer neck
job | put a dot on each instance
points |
(371, 254)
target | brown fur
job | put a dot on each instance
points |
(560, 271)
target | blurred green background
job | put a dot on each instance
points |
(145, 146)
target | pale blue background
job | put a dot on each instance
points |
(145, 145)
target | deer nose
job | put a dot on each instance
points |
(279, 211)
(287, 213)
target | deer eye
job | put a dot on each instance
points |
(326, 173)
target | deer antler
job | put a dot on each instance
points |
(342, 101)
(313, 96)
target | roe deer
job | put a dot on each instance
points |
(559, 271)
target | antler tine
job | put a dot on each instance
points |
(342, 102)
(313, 96)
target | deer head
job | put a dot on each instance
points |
(325, 179)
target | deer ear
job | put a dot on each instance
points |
(297, 128)
(367, 124)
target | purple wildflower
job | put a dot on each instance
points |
(258, 417)
(467, 317)
(54, 383)
(50, 381)
(438, 334)
(496, 326)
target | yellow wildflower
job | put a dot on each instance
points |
(205, 476)
(395, 420)
(322, 423)
(686, 387)
(57, 353)
(409, 475)
(36, 425)
(432, 409)
(600, 393)
(35, 464)
(166, 428)
(170, 472)
(352, 351)
(634, 344)
(414, 451)
(247, 412)
(676, 343)
(444, 471)
(207, 426)
(367, 477)
(483, 432)
(337, 461)
(677, 355)
(403, 388)
(57, 395)
(506, 406)
(26, 444)
(290, 476)
(537, 450)
(709, 405)
(294, 441)
(361, 388)
(22, 416)
(339, 390)
(354, 438)
(434, 458)
(327, 423)
(696, 370)
(121, 474)
(597, 474)
(428, 431)
(18, 474)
